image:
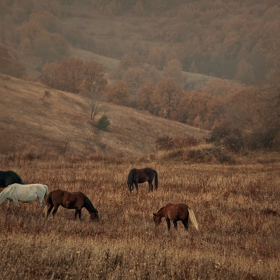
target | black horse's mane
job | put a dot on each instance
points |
(130, 176)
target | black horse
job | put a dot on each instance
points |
(9, 177)
(136, 176)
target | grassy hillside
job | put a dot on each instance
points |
(41, 120)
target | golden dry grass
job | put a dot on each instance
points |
(237, 207)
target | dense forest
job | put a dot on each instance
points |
(235, 42)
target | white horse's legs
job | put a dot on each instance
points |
(41, 199)
(16, 202)
(9, 202)
(41, 202)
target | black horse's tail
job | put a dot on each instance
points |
(156, 179)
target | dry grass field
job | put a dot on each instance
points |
(237, 208)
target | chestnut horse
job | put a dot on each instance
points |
(175, 213)
(136, 176)
(69, 200)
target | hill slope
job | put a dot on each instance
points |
(194, 80)
(38, 119)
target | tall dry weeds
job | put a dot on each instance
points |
(237, 208)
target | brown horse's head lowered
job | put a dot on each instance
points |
(175, 213)
(70, 200)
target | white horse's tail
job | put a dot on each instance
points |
(46, 194)
(193, 218)
(3, 195)
(45, 201)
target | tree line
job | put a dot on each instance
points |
(224, 39)
(237, 116)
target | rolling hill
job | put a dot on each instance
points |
(40, 120)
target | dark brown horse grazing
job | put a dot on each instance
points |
(69, 200)
(175, 213)
(136, 176)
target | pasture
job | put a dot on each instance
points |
(236, 206)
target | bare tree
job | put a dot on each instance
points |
(94, 100)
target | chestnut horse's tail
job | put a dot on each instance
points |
(156, 179)
(193, 218)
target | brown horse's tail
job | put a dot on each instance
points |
(156, 179)
(193, 218)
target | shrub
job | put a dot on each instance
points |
(209, 155)
(168, 143)
(103, 123)
(223, 135)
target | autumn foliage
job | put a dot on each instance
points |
(74, 75)
(9, 64)
(158, 41)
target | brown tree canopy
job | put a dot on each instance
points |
(134, 77)
(166, 98)
(144, 97)
(75, 75)
(9, 64)
(118, 93)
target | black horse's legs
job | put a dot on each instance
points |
(168, 223)
(175, 224)
(185, 223)
(78, 211)
(151, 187)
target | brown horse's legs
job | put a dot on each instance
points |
(175, 224)
(49, 210)
(55, 210)
(168, 224)
(185, 223)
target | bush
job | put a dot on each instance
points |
(227, 137)
(103, 123)
(167, 143)
(209, 155)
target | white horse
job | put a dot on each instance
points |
(24, 193)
